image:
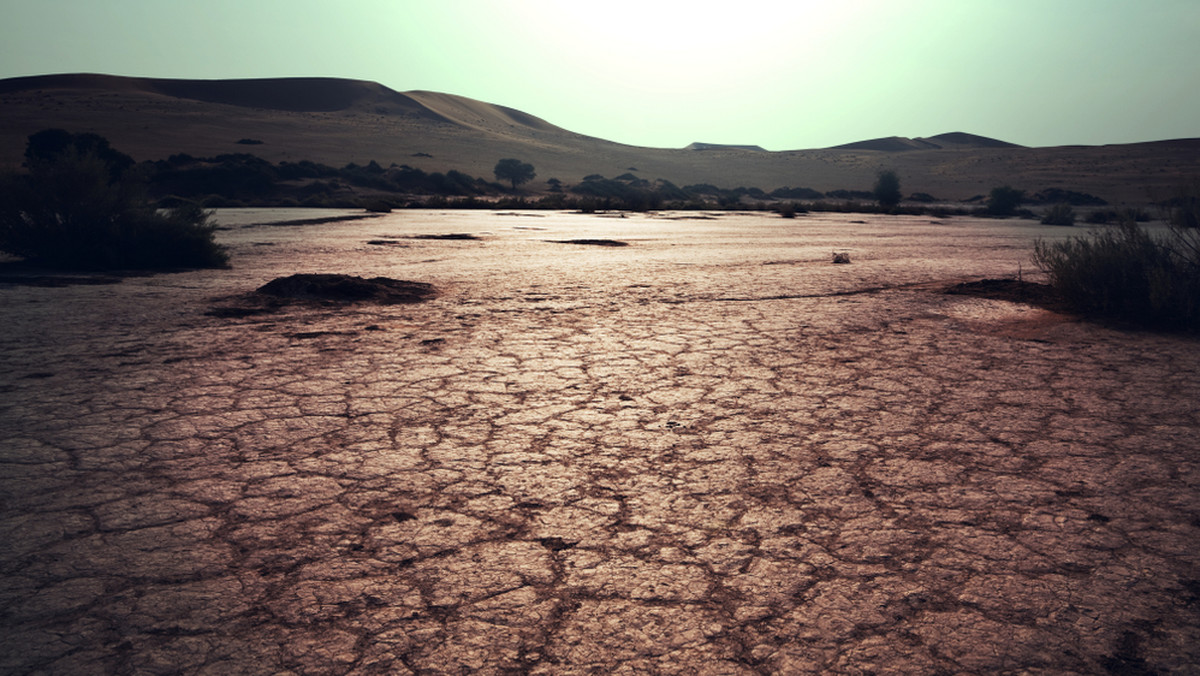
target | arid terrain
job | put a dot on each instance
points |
(337, 122)
(709, 451)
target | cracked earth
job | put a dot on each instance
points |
(709, 451)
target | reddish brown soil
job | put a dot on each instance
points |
(711, 452)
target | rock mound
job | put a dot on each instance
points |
(1013, 291)
(347, 288)
(590, 242)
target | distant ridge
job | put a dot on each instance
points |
(337, 121)
(955, 140)
(964, 140)
(300, 94)
(718, 146)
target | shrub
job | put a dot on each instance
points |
(850, 195)
(78, 208)
(790, 210)
(1106, 216)
(887, 189)
(1004, 201)
(1072, 197)
(1059, 214)
(1126, 273)
(1184, 208)
(797, 193)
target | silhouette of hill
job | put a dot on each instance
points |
(718, 146)
(956, 140)
(340, 121)
(301, 94)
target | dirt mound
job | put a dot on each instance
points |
(1012, 290)
(590, 242)
(449, 235)
(347, 288)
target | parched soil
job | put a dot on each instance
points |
(711, 453)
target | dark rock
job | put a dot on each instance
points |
(348, 288)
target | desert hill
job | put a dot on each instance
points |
(953, 140)
(720, 146)
(337, 121)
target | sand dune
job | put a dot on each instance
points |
(474, 114)
(953, 140)
(337, 121)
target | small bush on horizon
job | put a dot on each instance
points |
(1059, 214)
(887, 189)
(1105, 216)
(1004, 200)
(790, 210)
(1183, 210)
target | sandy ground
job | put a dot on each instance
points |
(710, 451)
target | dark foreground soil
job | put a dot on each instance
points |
(712, 451)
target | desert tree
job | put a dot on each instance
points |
(49, 145)
(514, 171)
(887, 188)
(80, 204)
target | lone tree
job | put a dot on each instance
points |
(82, 205)
(516, 171)
(887, 189)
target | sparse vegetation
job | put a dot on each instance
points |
(1125, 272)
(1004, 201)
(1106, 216)
(1072, 197)
(514, 171)
(887, 189)
(790, 210)
(1183, 210)
(82, 205)
(1059, 214)
(628, 192)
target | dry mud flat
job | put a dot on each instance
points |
(709, 451)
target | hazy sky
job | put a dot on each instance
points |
(780, 74)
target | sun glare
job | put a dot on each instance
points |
(666, 45)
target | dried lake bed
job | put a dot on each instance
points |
(708, 451)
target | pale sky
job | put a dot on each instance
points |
(779, 74)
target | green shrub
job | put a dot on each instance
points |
(77, 208)
(1059, 214)
(1126, 273)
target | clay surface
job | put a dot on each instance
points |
(710, 451)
